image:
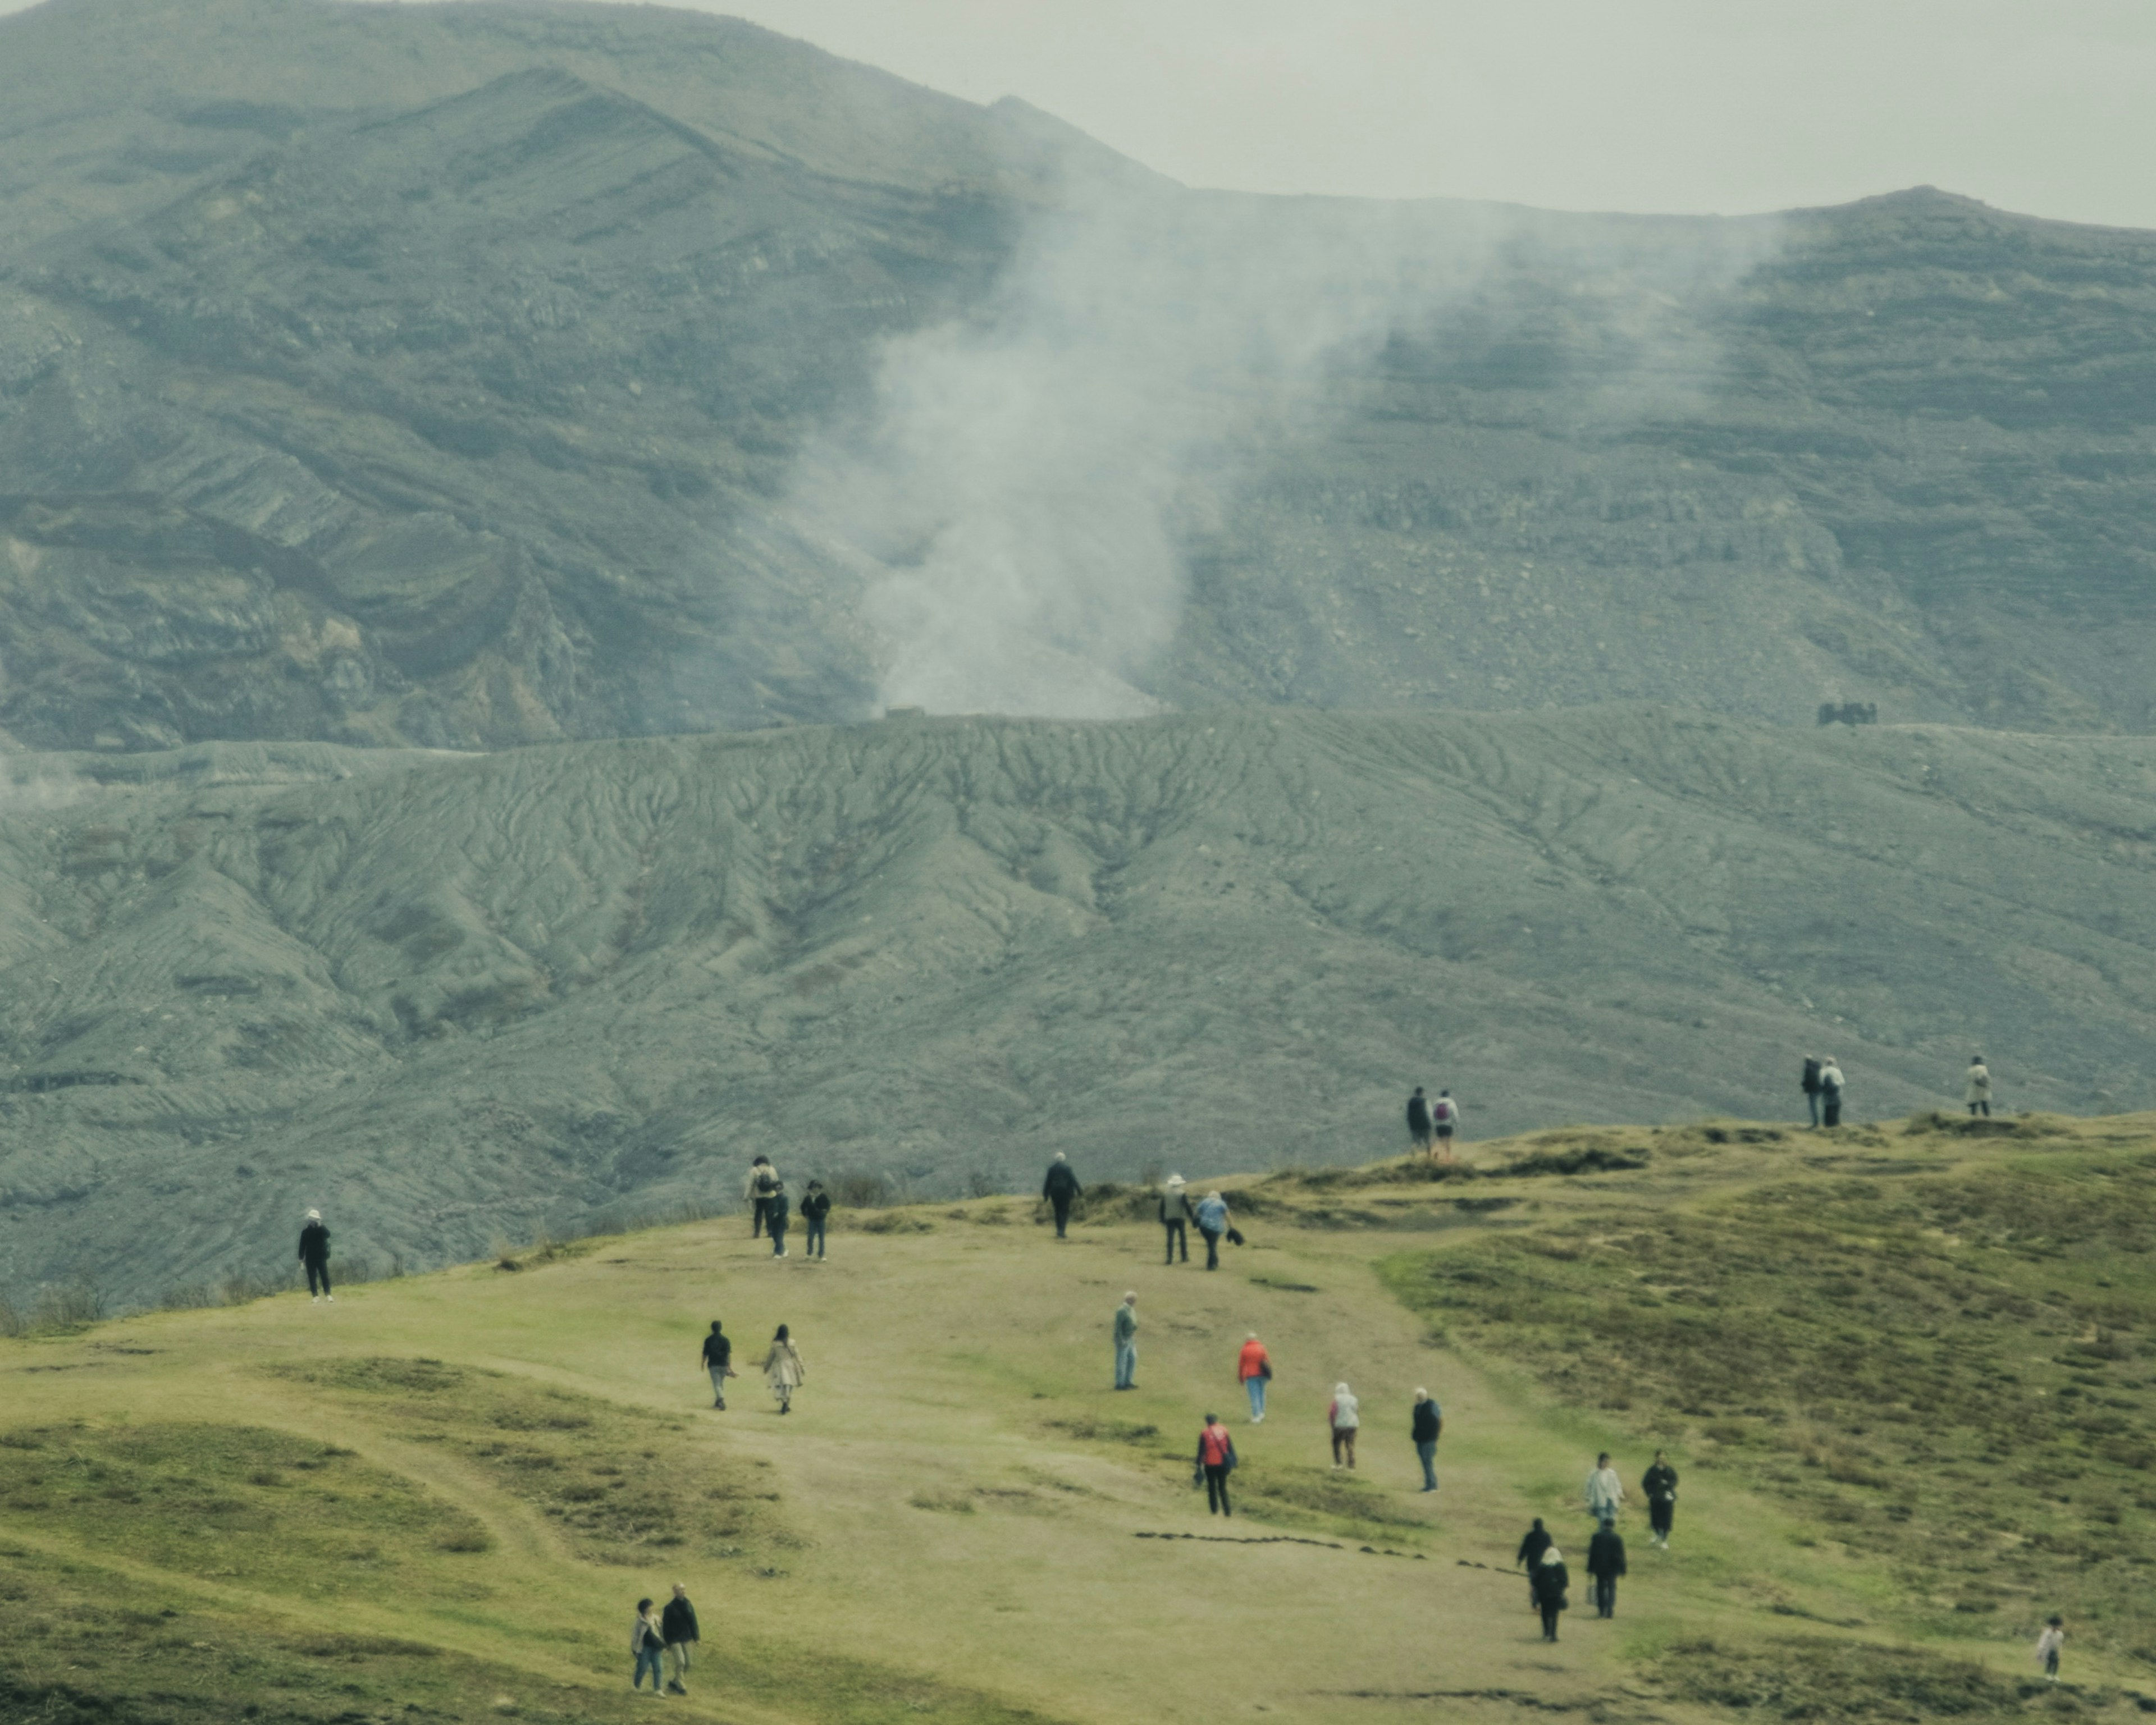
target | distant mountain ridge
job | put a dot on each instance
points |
(444, 376)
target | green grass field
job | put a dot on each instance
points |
(1905, 1372)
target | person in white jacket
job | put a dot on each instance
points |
(1977, 1094)
(1606, 1492)
(1345, 1416)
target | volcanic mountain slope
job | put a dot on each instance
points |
(450, 998)
(456, 376)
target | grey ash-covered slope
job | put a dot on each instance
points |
(451, 997)
(438, 375)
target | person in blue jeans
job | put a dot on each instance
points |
(1429, 1423)
(1126, 1343)
(647, 1643)
(1212, 1223)
(815, 1209)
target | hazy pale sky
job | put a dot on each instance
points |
(2047, 106)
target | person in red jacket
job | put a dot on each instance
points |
(1216, 1461)
(1254, 1367)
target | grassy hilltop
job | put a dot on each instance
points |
(1904, 1370)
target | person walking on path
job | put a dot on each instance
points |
(2050, 1645)
(1429, 1423)
(776, 1211)
(718, 1361)
(1606, 1492)
(1811, 1083)
(1175, 1217)
(1126, 1343)
(1418, 1121)
(1060, 1189)
(762, 1182)
(677, 1629)
(783, 1369)
(1830, 1087)
(815, 1211)
(1444, 1116)
(1977, 1094)
(1345, 1416)
(1253, 1366)
(1212, 1223)
(1661, 1485)
(1216, 1461)
(314, 1254)
(1537, 1541)
(647, 1642)
(1549, 1582)
(1605, 1563)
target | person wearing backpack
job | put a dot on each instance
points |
(762, 1182)
(1061, 1190)
(1444, 1116)
(1216, 1461)
(1811, 1083)
(815, 1210)
(1253, 1366)
(1831, 1088)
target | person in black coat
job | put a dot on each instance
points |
(1550, 1580)
(1419, 1126)
(815, 1208)
(1661, 1485)
(1811, 1085)
(314, 1254)
(1060, 1189)
(1530, 1553)
(718, 1361)
(775, 1215)
(677, 1629)
(1605, 1563)
(1429, 1422)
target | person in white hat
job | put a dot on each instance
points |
(314, 1254)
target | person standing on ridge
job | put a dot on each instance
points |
(776, 1209)
(762, 1181)
(1830, 1087)
(783, 1369)
(815, 1211)
(1126, 1343)
(1345, 1417)
(1428, 1423)
(1537, 1540)
(677, 1629)
(1605, 1563)
(1444, 1116)
(1606, 1492)
(314, 1254)
(1661, 1485)
(1418, 1121)
(1060, 1188)
(1253, 1366)
(1175, 1217)
(1549, 1581)
(1216, 1461)
(718, 1361)
(1212, 1224)
(1811, 1083)
(1978, 1096)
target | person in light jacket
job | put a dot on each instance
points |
(1212, 1224)
(1175, 1217)
(1831, 1088)
(1345, 1417)
(1606, 1492)
(647, 1642)
(783, 1369)
(1977, 1094)
(762, 1181)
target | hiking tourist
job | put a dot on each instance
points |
(647, 1642)
(1537, 1541)
(1212, 1224)
(1977, 1094)
(1418, 1121)
(1429, 1423)
(1548, 1582)
(1126, 1343)
(1060, 1188)
(1830, 1087)
(677, 1629)
(1606, 1492)
(762, 1181)
(314, 1254)
(1811, 1082)
(1255, 1367)
(718, 1361)
(1605, 1563)
(815, 1210)
(2050, 1644)
(1345, 1416)
(783, 1369)
(775, 1211)
(1661, 1485)
(1216, 1461)
(1444, 1116)
(1175, 1217)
